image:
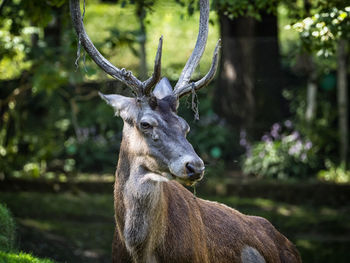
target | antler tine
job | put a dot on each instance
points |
(197, 53)
(153, 80)
(206, 79)
(121, 74)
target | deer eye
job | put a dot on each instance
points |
(145, 125)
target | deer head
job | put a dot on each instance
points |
(155, 134)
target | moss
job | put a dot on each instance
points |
(7, 229)
(20, 258)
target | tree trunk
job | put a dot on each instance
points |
(234, 93)
(342, 101)
(249, 90)
(53, 31)
(311, 101)
(270, 107)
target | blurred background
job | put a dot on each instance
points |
(273, 126)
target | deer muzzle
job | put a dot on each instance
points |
(195, 171)
(188, 169)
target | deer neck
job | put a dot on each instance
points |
(142, 213)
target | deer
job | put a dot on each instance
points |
(156, 218)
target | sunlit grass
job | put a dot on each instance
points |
(21, 258)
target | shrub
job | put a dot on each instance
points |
(333, 173)
(7, 229)
(20, 258)
(281, 154)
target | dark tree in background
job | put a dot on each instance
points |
(234, 98)
(249, 90)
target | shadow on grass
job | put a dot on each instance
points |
(70, 227)
(64, 227)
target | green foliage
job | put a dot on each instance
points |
(236, 8)
(37, 140)
(7, 230)
(333, 173)
(321, 31)
(322, 130)
(281, 154)
(21, 258)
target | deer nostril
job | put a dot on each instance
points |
(190, 168)
(194, 172)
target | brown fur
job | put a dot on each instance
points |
(202, 231)
(161, 221)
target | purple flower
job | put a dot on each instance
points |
(295, 135)
(292, 150)
(303, 157)
(243, 142)
(296, 148)
(266, 138)
(288, 124)
(308, 145)
(276, 127)
(275, 130)
(243, 134)
(274, 134)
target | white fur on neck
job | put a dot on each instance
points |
(142, 200)
(155, 177)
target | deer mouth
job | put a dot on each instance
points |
(185, 180)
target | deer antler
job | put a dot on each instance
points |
(183, 86)
(139, 88)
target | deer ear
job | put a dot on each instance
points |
(123, 106)
(163, 89)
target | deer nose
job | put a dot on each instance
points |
(194, 172)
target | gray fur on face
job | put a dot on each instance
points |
(158, 134)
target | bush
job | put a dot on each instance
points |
(333, 173)
(7, 229)
(323, 129)
(282, 153)
(20, 258)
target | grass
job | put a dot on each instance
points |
(20, 258)
(65, 227)
(79, 227)
(7, 229)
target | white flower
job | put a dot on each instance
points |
(320, 25)
(335, 21)
(315, 33)
(308, 22)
